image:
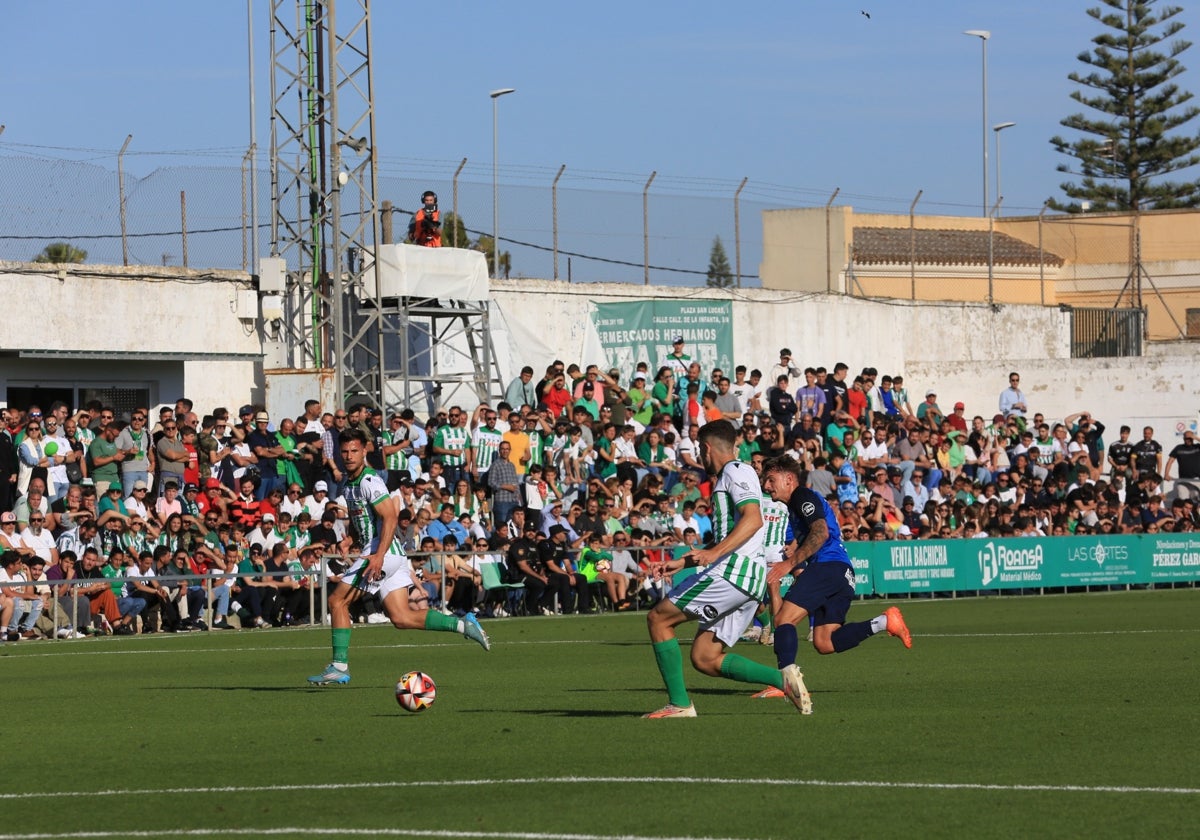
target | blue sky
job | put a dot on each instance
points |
(800, 97)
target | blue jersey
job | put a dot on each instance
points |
(806, 507)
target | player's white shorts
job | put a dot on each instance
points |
(397, 574)
(718, 605)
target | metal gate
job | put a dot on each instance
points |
(1106, 333)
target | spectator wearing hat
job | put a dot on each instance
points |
(929, 411)
(958, 420)
(268, 450)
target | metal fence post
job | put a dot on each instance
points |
(737, 232)
(554, 214)
(912, 244)
(121, 199)
(646, 229)
(454, 202)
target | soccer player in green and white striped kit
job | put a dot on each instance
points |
(383, 566)
(723, 597)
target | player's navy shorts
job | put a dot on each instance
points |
(824, 591)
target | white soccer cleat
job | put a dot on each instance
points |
(796, 691)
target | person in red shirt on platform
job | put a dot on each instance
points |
(426, 225)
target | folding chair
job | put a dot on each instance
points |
(511, 594)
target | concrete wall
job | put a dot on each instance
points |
(86, 311)
(962, 349)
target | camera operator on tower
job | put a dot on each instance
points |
(426, 225)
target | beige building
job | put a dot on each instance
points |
(1091, 261)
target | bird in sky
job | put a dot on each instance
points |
(865, 14)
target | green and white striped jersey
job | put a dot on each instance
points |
(362, 495)
(775, 518)
(453, 437)
(736, 488)
(486, 443)
(398, 460)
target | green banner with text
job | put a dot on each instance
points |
(1024, 563)
(642, 332)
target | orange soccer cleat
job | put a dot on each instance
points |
(673, 711)
(896, 626)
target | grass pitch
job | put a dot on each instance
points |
(1061, 716)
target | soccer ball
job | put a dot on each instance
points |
(416, 691)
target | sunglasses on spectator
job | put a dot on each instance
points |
(37, 519)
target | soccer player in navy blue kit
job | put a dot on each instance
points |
(825, 588)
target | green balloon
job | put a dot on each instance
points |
(50, 449)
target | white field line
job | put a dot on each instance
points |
(343, 832)
(87, 647)
(576, 780)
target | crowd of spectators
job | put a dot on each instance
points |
(580, 485)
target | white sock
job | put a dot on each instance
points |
(462, 626)
(341, 666)
(878, 624)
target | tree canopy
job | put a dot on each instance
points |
(61, 252)
(720, 276)
(1129, 136)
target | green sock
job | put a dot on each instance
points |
(435, 620)
(748, 671)
(670, 665)
(341, 644)
(764, 618)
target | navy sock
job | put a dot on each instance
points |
(786, 644)
(850, 635)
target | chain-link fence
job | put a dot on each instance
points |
(586, 227)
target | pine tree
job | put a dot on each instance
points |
(1128, 147)
(719, 274)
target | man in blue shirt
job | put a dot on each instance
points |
(446, 524)
(823, 588)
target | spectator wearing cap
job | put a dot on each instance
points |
(588, 401)
(266, 535)
(316, 502)
(641, 408)
(677, 361)
(958, 420)
(138, 502)
(929, 411)
(268, 450)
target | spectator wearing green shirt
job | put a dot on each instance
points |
(104, 457)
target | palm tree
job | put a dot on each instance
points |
(61, 252)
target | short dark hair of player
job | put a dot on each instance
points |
(784, 464)
(718, 431)
(354, 435)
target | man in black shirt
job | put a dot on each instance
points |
(1120, 454)
(1187, 455)
(563, 579)
(1147, 453)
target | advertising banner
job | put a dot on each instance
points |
(1025, 563)
(642, 332)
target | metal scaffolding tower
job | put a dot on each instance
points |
(325, 225)
(324, 180)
